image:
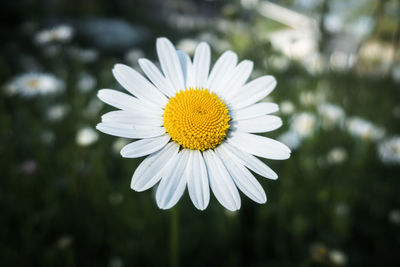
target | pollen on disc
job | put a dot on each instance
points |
(196, 119)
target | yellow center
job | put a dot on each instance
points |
(33, 83)
(196, 119)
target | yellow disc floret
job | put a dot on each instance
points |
(196, 119)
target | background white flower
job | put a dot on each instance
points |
(57, 112)
(337, 257)
(303, 124)
(389, 150)
(86, 136)
(59, 33)
(86, 82)
(287, 107)
(336, 155)
(394, 216)
(331, 114)
(32, 84)
(364, 129)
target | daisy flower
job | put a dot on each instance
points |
(86, 136)
(287, 107)
(331, 115)
(389, 150)
(57, 112)
(31, 84)
(197, 126)
(336, 155)
(60, 33)
(303, 124)
(364, 129)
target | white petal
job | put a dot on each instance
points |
(197, 179)
(128, 117)
(137, 85)
(173, 183)
(237, 79)
(144, 147)
(127, 102)
(250, 161)
(259, 145)
(201, 64)
(260, 124)
(187, 68)
(149, 172)
(155, 76)
(253, 111)
(253, 92)
(170, 63)
(221, 182)
(129, 131)
(220, 72)
(242, 177)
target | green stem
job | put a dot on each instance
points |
(174, 237)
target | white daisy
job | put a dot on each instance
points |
(337, 257)
(57, 112)
(331, 115)
(86, 82)
(59, 33)
(366, 130)
(303, 124)
(394, 216)
(336, 155)
(86, 136)
(389, 150)
(32, 84)
(308, 98)
(196, 125)
(287, 107)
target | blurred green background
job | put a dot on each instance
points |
(65, 198)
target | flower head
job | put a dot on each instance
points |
(287, 107)
(337, 257)
(86, 136)
(196, 126)
(57, 112)
(389, 150)
(331, 115)
(394, 216)
(86, 82)
(366, 130)
(336, 155)
(60, 33)
(303, 124)
(32, 84)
